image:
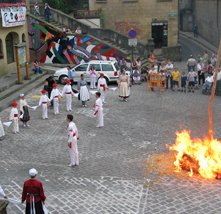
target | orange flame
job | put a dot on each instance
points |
(201, 156)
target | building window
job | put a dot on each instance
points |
(23, 38)
(1, 50)
(101, 1)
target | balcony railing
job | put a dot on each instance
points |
(87, 14)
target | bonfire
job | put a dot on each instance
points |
(201, 156)
(197, 155)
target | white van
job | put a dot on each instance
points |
(109, 68)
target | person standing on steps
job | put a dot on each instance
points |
(47, 12)
(33, 194)
(72, 141)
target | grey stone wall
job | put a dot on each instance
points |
(207, 15)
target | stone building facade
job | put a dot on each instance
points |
(157, 19)
(11, 35)
(206, 14)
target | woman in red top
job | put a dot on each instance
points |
(33, 194)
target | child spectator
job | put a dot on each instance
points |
(176, 78)
(183, 81)
(191, 78)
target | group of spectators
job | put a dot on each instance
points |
(199, 71)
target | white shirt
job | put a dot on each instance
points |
(72, 132)
(44, 98)
(67, 89)
(199, 67)
(12, 113)
(101, 81)
(169, 66)
(22, 103)
(98, 104)
(55, 93)
(209, 79)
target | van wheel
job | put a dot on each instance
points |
(62, 79)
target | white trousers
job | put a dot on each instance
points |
(100, 118)
(73, 151)
(69, 102)
(15, 125)
(102, 95)
(93, 82)
(56, 105)
(44, 111)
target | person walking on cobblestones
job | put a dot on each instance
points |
(102, 86)
(99, 110)
(24, 110)
(67, 90)
(33, 194)
(55, 96)
(44, 100)
(72, 141)
(14, 117)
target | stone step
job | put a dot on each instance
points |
(27, 86)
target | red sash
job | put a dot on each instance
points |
(15, 115)
(103, 86)
(44, 102)
(68, 93)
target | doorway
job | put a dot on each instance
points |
(160, 34)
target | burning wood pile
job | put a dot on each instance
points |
(198, 156)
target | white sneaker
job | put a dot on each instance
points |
(70, 165)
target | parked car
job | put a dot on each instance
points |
(109, 68)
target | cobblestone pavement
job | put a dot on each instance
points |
(113, 176)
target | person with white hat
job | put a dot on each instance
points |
(55, 96)
(72, 141)
(25, 117)
(14, 117)
(33, 194)
(44, 101)
(67, 90)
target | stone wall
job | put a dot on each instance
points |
(121, 16)
(206, 14)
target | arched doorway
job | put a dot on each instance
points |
(10, 40)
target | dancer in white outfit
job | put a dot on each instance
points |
(67, 90)
(14, 117)
(93, 77)
(72, 141)
(44, 101)
(102, 86)
(55, 96)
(99, 111)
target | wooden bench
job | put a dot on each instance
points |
(156, 81)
